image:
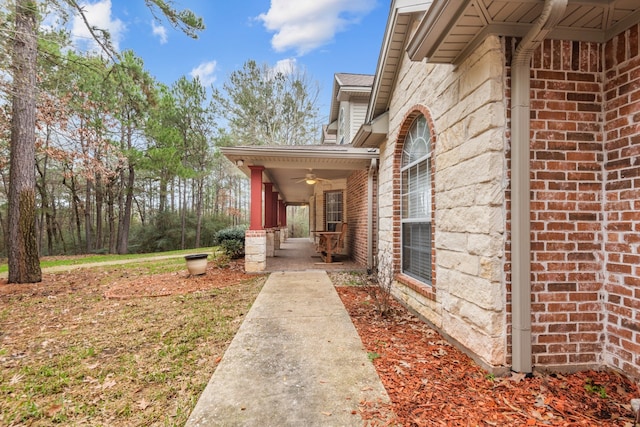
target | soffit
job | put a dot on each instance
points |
(286, 165)
(391, 54)
(451, 29)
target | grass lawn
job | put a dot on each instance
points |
(48, 262)
(71, 356)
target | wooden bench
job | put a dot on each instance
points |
(330, 242)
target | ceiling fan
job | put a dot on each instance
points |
(310, 178)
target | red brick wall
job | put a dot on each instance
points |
(585, 190)
(357, 201)
(622, 201)
(566, 202)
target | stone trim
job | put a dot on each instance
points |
(411, 114)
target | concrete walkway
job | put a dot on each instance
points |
(296, 360)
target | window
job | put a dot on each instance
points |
(333, 210)
(341, 126)
(416, 201)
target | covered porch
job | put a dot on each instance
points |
(298, 253)
(336, 182)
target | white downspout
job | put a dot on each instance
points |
(520, 183)
(372, 172)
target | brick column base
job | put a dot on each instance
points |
(276, 239)
(270, 243)
(255, 251)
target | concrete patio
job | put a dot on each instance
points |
(297, 254)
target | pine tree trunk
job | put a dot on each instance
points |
(23, 258)
(123, 238)
(199, 196)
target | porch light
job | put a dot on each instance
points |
(310, 181)
(239, 162)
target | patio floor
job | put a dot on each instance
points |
(299, 253)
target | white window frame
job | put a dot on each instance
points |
(333, 209)
(416, 202)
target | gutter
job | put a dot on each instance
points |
(372, 134)
(372, 171)
(520, 183)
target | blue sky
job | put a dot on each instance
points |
(321, 36)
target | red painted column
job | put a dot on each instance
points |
(283, 213)
(275, 207)
(268, 205)
(255, 218)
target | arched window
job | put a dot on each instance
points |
(416, 201)
(341, 126)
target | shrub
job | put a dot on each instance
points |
(231, 241)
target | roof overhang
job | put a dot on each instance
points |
(374, 133)
(402, 14)
(452, 29)
(449, 30)
(347, 86)
(286, 166)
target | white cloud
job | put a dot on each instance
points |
(205, 72)
(304, 25)
(286, 66)
(160, 31)
(98, 15)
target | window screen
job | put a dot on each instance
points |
(333, 210)
(416, 202)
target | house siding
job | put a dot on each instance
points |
(466, 110)
(357, 113)
(585, 199)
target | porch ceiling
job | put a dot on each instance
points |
(286, 166)
(453, 28)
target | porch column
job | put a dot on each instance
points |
(255, 218)
(268, 205)
(284, 231)
(282, 213)
(268, 217)
(274, 209)
(276, 220)
(255, 238)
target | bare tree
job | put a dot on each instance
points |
(381, 283)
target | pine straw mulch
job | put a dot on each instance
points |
(432, 383)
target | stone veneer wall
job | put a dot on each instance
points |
(465, 106)
(255, 251)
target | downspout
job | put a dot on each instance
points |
(520, 183)
(372, 172)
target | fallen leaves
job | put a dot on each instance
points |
(431, 383)
(178, 283)
(72, 357)
(143, 404)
